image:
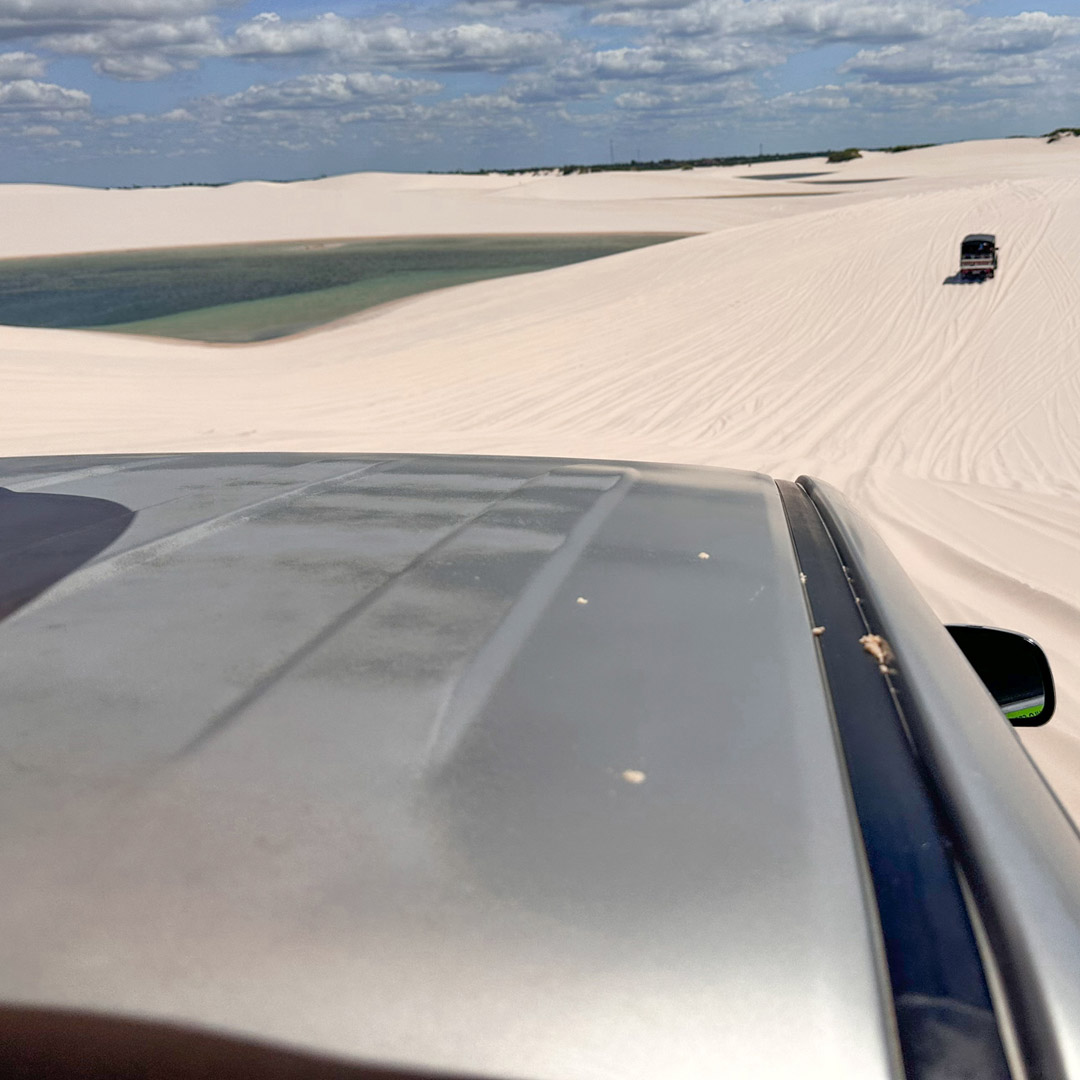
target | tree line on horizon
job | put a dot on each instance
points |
(833, 157)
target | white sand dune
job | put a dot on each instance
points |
(797, 334)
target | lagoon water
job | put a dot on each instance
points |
(252, 292)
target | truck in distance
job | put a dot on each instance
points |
(978, 256)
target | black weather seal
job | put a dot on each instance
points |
(944, 1013)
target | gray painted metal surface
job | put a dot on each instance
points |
(1019, 849)
(474, 764)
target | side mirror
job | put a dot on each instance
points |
(1013, 668)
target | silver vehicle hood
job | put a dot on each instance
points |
(511, 767)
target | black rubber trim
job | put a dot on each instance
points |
(944, 1014)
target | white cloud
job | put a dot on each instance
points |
(36, 18)
(135, 67)
(469, 47)
(33, 17)
(821, 22)
(821, 97)
(489, 72)
(687, 102)
(125, 39)
(897, 64)
(639, 99)
(1013, 51)
(1031, 31)
(628, 63)
(97, 9)
(1002, 80)
(323, 91)
(20, 65)
(694, 60)
(190, 36)
(29, 94)
(325, 109)
(140, 51)
(486, 9)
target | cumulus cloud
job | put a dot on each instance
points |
(125, 39)
(468, 47)
(685, 102)
(323, 109)
(140, 51)
(35, 18)
(470, 117)
(666, 100)
(322, 91)
(896, 64)
(1012, 51)
(1003, 79)
(485, 9)
(43, 16)
(193, 36)
(20, 65)
(485, 72)
(821, 22)
(684, 60)
(29, 94)
(135, 67)
(96, 9)
(1031, 31)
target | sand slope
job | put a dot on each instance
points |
(797, 334)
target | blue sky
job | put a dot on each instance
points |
(115, 92)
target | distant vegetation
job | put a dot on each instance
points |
(185, 183)
(906, 146)
(666, 164)
(832, 156)
(206, 184)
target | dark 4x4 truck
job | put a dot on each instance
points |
(978, 256)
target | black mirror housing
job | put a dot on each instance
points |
(1013, 668)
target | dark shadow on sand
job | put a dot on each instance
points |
(963, 279)
(787, 176)
(867, 180)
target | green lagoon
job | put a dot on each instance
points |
(253, 292)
